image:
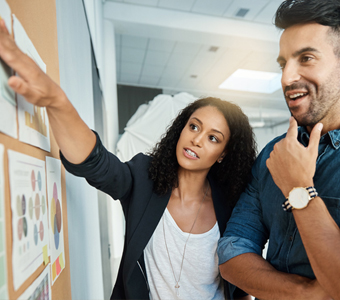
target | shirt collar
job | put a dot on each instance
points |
(331, 137)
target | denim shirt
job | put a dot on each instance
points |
(258, 215)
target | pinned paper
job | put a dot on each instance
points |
(61, 261)
(58, 266)
(55, 208)
(45, 255)
(54, 272)
(40, 288)
(29, 215)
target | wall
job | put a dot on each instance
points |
(76, 80)
(265, 135)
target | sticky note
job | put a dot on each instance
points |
(57, 265)
(45, 255)
(54, 272)
(61, 261)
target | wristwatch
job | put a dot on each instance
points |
(299, 198)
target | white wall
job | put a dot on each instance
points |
(265, 135)
(82, 207)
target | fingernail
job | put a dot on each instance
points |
(319, 126)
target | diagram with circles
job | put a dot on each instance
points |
(56, 235)
(29, 214)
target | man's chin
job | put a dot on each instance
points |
(302, 121)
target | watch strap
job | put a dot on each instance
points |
(312, 194)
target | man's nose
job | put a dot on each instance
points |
(290, 74)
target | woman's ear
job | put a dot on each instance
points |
(221, 157)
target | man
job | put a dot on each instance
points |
(303, 258)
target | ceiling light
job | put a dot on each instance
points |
(252, 81)
(242, 12)
(213, 49)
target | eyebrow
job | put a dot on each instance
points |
(299, 52)
(215, 130)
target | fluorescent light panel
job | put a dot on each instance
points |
(252, 81)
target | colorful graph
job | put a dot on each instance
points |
(55, 216)
(34, 181)
(31, 211)
(37, 121)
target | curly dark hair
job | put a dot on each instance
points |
(234, 171)
(324, 12)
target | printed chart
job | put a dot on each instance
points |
(3, 258)
(29, 214)
(33, 120)
(40, 288)
(53, 174)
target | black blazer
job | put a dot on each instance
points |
(129, 182)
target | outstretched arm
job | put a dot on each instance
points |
(293, 165)
(251, 273)
(73, 136)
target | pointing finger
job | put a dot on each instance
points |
(315, 136)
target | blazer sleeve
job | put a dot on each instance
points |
(103, 170)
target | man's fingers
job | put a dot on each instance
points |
(292, 131)
(315, 136)
(13, 56)
(3, 26)
(20, 86)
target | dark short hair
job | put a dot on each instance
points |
(293, 12)
(234, 171)
(323, 12)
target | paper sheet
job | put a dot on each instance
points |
(8, 112)
(40, 288)
(29, 214)
(33, 120)
(56, 232)
(3, 257)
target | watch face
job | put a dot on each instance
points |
(298, 198)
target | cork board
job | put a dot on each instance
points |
(38, 17)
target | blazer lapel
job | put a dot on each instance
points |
(145, 229)
(222, 209)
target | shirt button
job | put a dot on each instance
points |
(336, 143)
(290, 238)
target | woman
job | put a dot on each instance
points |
(176, 201)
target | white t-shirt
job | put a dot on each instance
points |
(200, 278)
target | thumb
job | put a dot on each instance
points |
(315, 137)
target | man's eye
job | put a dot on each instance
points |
(305, 59)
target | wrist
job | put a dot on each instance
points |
(58, 101)
(305, 183)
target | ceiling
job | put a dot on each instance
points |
(194, 45)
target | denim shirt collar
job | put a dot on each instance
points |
(331, 137)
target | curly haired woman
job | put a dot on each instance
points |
(176, 201)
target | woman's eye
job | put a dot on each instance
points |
(213, 139)
(193, 127)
